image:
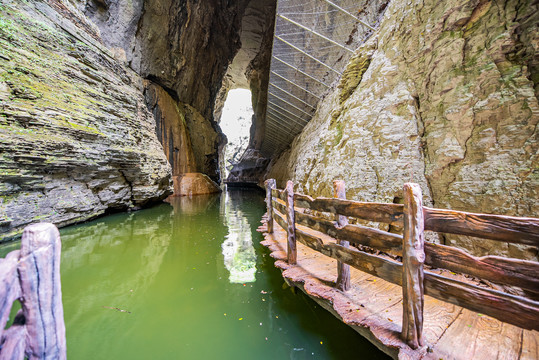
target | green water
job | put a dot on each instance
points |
(192, 282)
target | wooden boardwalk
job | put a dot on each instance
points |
(373, 307)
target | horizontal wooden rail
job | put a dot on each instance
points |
(504, 271)
(500, 270)
(279, 194)
(377, 212)
(357, 234)
(502, 306)
(509, 308)
(518, 230)
(314, 232)
(386, 269)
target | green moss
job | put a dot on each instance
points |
(7, 29)
(338, 136)
(352, 76)
(87, 129)
(402, 109)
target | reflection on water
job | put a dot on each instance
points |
(167, 267)
(193, 205)
(238, 251)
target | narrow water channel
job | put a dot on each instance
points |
(189, 280)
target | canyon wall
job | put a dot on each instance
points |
(445, 94)
(82, 83)
(77, 139)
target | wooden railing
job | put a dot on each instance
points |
(32, 276)
(522, 311)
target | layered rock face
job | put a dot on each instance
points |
(187, 47)
(443, 94)
(79, 135)
(77, 139)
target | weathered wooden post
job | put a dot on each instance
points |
(343, 270)
(270, 184)
(12, 339)
(292, 250)
(413, 257)
(41, 298)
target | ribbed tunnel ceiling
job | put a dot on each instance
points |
(313, 42)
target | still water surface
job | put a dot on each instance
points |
(189, 280)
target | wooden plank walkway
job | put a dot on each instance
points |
(373, 307)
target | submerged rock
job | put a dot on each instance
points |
(194, 184)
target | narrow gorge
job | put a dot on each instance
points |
(105, 106)
(110, 123)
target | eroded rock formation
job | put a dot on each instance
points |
(76, 137)
(250, 70)
(444, 94)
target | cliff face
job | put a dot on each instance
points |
(82, 83)
(443, 94)
(76, 136)
(171, 129)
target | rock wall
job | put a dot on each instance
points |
(76, 138)
(187, 45)
(443, 94)
(171, 129)
(206, 138)
(176, 138)
(250, 70)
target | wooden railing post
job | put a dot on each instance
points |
(270, 184)
(41, 293)
(343, 270)
(291, 220)
(413, 257)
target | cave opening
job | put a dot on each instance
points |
(235, 123)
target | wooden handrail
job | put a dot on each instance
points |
(357, 234)
(416, 282)
(505, 271)
(32, 276)
(518, 230)
(378, 212)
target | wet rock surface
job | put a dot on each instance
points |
(171, 129)
(190, 184)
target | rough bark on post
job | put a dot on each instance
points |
(413, 258)
(270, 184)
(343, 270)
(291, 220)
(41, 300)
